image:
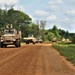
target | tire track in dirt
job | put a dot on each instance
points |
(8, 54)
(27, 58)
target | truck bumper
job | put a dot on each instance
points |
(8, 42)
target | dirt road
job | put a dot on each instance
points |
(38, 59)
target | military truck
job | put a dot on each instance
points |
(30, 39)
(39, 40)
(10, 36)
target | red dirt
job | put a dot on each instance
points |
(38, 59)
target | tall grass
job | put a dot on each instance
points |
(67, 50)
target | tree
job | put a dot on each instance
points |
(50, 36)
(56, 32)
(2, 18)
(34, 29)
(25, 29)
(73, 40)
(19, 19)
(42, 29)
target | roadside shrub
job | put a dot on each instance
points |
(50, 35)
(73, 40)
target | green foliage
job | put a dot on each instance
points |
(42, 29)
(67, 50)
(73, 40)
(19, 20)
(17, 17)
(65, 34)
(50, 35)
(22, 21)
(25, 30)
(62, 32)
(14, 17)
(29, 29)
(56, 32)
(35, 30)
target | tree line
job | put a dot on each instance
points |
(59, 34)
(22, 21)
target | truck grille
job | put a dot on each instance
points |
(8, 41)
(8, 38)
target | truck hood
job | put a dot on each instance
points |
(8, 35)
(26, 38)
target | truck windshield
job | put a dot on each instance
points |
(9, 32)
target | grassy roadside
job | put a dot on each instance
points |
(67, 50)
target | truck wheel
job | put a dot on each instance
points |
(1, 44)
(17, 43)
(27, 42)
(33, 42)
(5, 45)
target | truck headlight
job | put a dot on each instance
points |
(1, 40)
(13, 39)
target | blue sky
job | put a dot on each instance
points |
(55, 12)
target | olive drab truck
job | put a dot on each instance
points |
(10, 36)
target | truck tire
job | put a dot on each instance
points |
(5, 45)
(33, 42)
(27, 42)
(17, 43)
(1, 44)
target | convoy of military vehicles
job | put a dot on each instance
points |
(11, 36)
(32, 39)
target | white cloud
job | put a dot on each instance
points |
(56, 2)
(70, 2)
(19, 7)
(53, 7)
(65, 20)
(8, 2)
(71, 12)
(51, 18)
(41, 13)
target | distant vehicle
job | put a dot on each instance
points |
(54, 39)
(63, 39)
(10, 36)
(30, 39)
(39, 41)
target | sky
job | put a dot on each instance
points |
(55, 12)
